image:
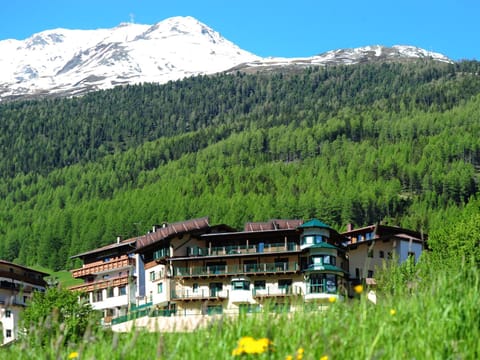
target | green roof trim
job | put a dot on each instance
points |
(314, 223)
(325, 267)
(323, 245)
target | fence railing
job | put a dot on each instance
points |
(237, 269)
(243, 249)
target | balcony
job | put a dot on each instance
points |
(244, 249)
(189, 295)
(98, 267)
(276, 292)
(24, 278)
(226, 270)
(102, 284)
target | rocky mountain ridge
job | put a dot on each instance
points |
(64, 62)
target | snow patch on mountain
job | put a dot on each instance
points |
(63, 62)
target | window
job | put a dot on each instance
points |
(240, 284)
(214, 309)
(320, 260)
(381, 254)
(8, 333)
(329, 259)
(370, 273)
(357, 273)
(259, 285)
(109, 292)
(122, 290)
(152, 275)
(281, 264)
(195, 287)
(98, 296)
(8, 313)
(160, 288)
(160, 253)
(285, 284)
(218, 267)
(323, 283)
(250, 265)
(389, 255)
(312, 239)
(215, 288)
(331, 283)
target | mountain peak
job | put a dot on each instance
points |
(72, 62)
(62, 62)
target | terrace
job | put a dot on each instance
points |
(226, 270)
(98, 267)
(247, 248)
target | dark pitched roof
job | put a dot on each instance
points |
(382, 231)
(168, 230)
(8, 263)
(108, 247)
(274, 224)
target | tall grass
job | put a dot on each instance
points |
(438, 318)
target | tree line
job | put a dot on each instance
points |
(351, 144)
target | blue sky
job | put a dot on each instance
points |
(273, 28)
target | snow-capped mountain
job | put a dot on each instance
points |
(70, 62)
(66, 62)
(376, 53)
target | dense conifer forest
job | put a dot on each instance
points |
(392, 142)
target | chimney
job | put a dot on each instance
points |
(349, 227)
(119, 238)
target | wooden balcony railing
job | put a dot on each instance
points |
(11, 276)
(102, 284)
(98, 267)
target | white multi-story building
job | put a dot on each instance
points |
(191, 268)
(17, 285)
(112, 281)
(372, 247)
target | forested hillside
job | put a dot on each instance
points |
(374, 142)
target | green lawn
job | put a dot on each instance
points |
(63, 277)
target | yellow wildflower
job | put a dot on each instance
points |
(393, 312)
(332, 299)
(300, 352)
(358, 289)
(289, 357)
(73, 355)
(248, 345)
(324, 357)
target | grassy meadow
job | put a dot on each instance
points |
(433, 315)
